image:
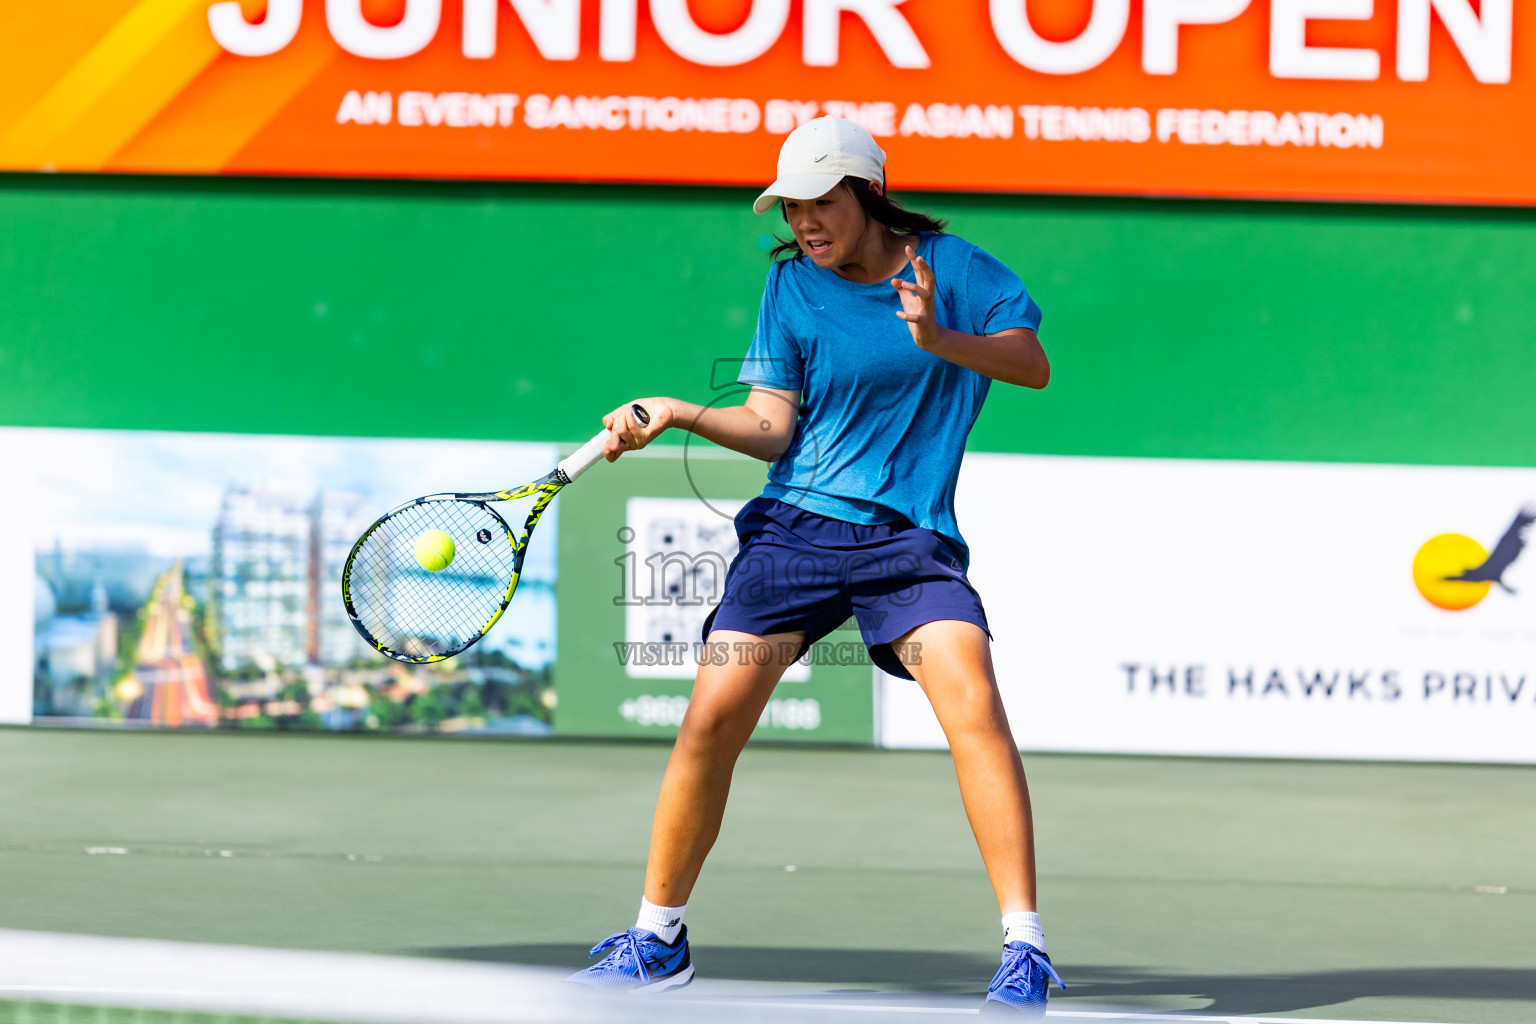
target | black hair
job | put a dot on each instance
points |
(877, 206)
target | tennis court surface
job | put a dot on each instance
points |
(845, 885)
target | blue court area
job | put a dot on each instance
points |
(845, 885)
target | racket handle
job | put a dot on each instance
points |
(587, 456)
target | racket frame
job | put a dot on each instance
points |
(546, 487)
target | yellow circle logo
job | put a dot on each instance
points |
(1449, 554)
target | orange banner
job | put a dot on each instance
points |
(1422, 100)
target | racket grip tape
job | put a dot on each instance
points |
(588, 455)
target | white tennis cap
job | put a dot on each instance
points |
(817, 156)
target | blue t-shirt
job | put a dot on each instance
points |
(882, 423)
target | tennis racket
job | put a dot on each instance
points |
(417, 599)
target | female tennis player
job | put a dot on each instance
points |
(876, 343)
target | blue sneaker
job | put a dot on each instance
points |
(1019, 986)
(640, 961)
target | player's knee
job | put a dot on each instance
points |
(973, 705)
(713, 729)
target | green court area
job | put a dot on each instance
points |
(1252, 888)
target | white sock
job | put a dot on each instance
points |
(1023, 926)
(666, 922)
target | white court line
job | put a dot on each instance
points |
(1153, 1015)
(839, 1007)
(340, 987)
(349, 988)
(1148, 1015)
(115, 990)
(766, 1004)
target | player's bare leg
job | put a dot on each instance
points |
(727, 701)
(954, 668)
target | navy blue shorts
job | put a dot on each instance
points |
(797, 570)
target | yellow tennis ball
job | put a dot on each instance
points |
(434, 550)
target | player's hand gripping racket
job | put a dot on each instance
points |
(432, 577)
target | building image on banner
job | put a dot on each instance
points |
(194, 581)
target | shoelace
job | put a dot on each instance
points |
(628, 944)
(1026, 957)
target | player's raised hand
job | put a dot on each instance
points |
(630, 431)
(917, 305)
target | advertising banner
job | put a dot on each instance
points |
(193, 580)
(177, 580)
(643, 553)
(1251, 608)
(1336, 99)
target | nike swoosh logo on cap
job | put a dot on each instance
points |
(819, 159)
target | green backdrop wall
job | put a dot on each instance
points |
(1234, 330)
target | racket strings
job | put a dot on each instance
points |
(420, 613)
